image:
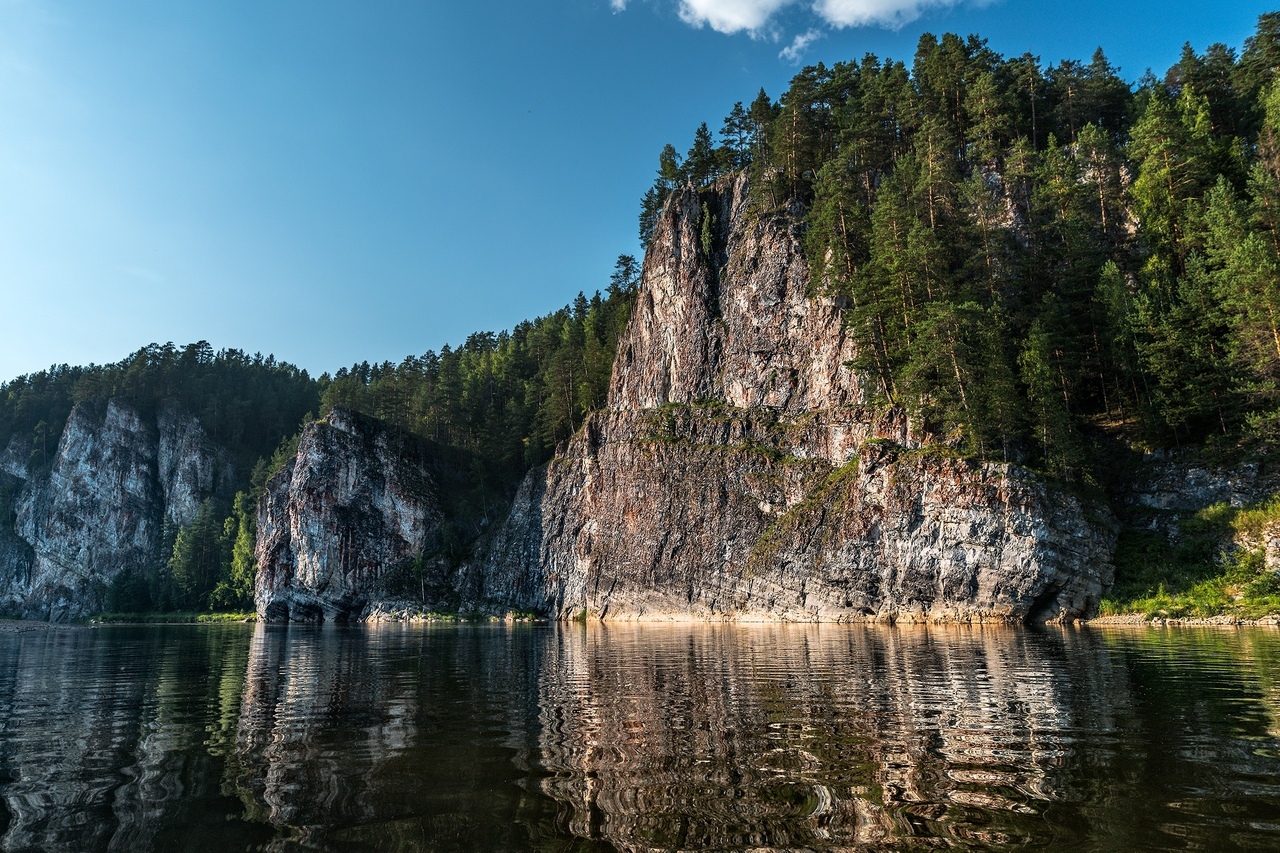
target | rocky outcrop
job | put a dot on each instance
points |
(117, 479)
(1166, 486)
(1170, 498)
(633, 525)
(738, 474)
(738, 325)
(354, 503)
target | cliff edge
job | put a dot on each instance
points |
(355, 503)
(118, 480)
(738, 472)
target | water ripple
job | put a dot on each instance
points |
(638, 738)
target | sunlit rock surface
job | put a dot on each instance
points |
(737, 474)
(355, 502)
(116, 479)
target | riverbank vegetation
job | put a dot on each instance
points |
(174, 618)
(1215, 565)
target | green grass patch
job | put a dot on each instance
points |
(1196, 576)
(936, 451)
(827, 495)
(172, 618)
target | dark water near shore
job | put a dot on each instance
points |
(491, 737)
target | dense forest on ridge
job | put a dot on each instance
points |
(1037, 261)
(1036, 256)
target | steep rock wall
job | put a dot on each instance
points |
(116, 479)
(737, 474)
(355, 502)
(737, 325)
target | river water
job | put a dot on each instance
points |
(525, 737)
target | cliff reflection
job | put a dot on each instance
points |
(393, 737)
(694, 737)
(824, 737)
(112, 739)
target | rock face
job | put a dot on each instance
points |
(738, 474)
(355, 502)
(1168, 489)
(738, 326)
(117, 478)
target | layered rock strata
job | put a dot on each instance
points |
(738, 474)
(355, 503)
(118, 478)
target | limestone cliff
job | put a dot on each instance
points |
(117, 479)
(738, 473)
(355, 502)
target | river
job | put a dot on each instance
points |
(459, 737)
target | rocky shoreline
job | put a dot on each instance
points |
(1224, 621)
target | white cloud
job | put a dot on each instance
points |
(618, 5)
(731, 16)
(756, 17)
(795, 50)
(885, 13)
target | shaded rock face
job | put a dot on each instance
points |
(116, 480)
(1168, 488)
(355, 502)
(1166, 485)
(736, 473)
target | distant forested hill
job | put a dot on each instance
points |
(490, 409)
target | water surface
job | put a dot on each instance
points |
(488, 737)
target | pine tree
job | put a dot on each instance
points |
(1169, 144)
(700, 163)
(838, 234)
(989, 120)
(625, 280)
(737, 134)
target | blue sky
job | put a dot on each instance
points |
(338, 181)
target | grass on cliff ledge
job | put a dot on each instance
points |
(1196, 577)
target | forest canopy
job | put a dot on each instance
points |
(1035, 256)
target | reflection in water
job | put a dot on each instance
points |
(827, 737)
(111, 739)
(393, 737)
(637, 738)
(785, 736)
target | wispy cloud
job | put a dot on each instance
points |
(884, 13)
(796, 49)
(618, 5)
(731, 16)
